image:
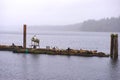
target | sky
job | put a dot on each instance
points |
(55, 12)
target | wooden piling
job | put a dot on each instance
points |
(111, 48)
(24, 35)
(114, 46)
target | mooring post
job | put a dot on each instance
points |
(111, 46)
(24, 35)
(114, 46)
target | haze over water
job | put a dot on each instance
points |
(57, 13)
(15, 13)
(55, 67)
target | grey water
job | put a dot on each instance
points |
(55, 67)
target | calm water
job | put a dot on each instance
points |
(49, 67)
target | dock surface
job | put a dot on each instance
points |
(81, 52)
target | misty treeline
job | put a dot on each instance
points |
(102, 25)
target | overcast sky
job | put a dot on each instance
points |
(55, 12)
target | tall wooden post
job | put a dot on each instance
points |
(114, 46)
(24, 35)
(111, 46)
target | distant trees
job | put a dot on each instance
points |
(102, 25)
(106, 25)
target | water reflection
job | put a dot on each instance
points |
(114, 62)
(24, 66)
(114, 67)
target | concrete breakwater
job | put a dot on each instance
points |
(81, 52)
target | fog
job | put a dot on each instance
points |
(15, 13)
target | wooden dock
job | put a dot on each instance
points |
(20, 49)
(81, 52)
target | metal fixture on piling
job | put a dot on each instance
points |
(24, 35)
(114, 46)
